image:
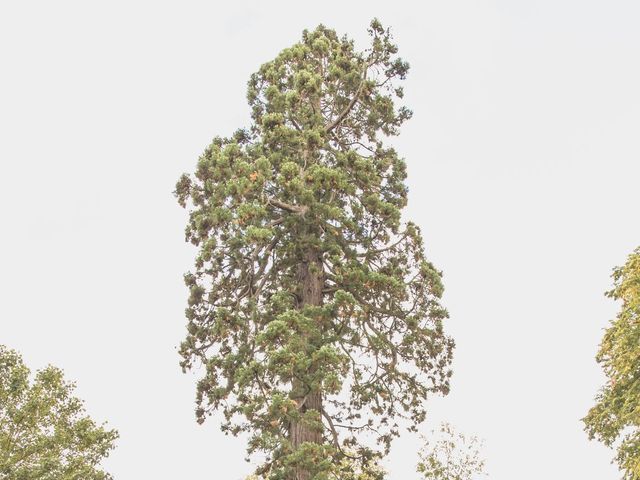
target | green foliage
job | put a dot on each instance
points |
(312, 304)
(451, 456)
(348, 468)
(616, 415)
(44, 433)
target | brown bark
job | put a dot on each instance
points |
(311, 281)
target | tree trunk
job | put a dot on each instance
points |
(311, 281)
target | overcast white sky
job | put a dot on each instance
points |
(523, 170)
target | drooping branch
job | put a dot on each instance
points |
(334, 434)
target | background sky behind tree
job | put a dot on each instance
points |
(523, 173)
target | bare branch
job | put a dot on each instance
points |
(299, 209)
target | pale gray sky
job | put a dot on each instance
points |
(524, 174)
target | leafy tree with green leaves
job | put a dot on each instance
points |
(449, 455)
(615, 419)
(312, 307)
(44, 432)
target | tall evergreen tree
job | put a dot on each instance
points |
(312, 306)
(616, 415)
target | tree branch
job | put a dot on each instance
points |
(350, 106)
(299, 209)
(382, 250)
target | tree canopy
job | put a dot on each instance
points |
(615, 419)
(449, 455)
(44, 432)
(312, 305)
